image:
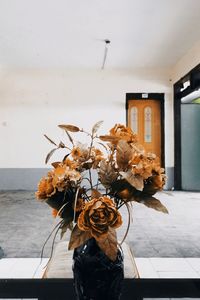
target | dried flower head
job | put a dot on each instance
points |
(98, 215)
(123, 133)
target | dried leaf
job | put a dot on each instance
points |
(107, 173)
(109, 138)
(52, 142)
(135, 180)
(49, 155)
(96, 127)
(65, 157)
(95, 194)
(124, 154)
(109, 244)
(55, 164)
(78, 237)
(155, 204)
(68, 127)
(64, 228)
(61, 145)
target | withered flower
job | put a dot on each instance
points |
(141, 165)
(123, 133)
(63, 176)
(96, 156)
(76, 153)
(80, 153)
(98, 215)
(45, 188)
(70, 163)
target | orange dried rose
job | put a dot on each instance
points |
(45, 188)
(123, 133)
(98, 215)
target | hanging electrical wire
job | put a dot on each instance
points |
(107, 42)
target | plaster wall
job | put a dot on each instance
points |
(35, 101)
(190, 60)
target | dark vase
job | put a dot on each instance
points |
(96, 277)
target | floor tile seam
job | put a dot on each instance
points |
(198, 271)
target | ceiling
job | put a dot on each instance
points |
(71, 33)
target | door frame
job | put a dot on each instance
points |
(151, 96)
(194, 77)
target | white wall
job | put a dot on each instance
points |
(33, 102)
(190, 60)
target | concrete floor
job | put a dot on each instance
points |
(25, 224)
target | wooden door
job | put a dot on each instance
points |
(144, 117)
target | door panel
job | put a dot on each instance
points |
(144, 117)
(190, 147)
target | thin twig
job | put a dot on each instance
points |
(75, 201)
(42, 251)
(90, 175)
(129, 221)
(53, 242)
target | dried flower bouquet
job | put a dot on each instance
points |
(89, 205)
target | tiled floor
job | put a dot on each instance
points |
(165, 246)
(168, 267)
(25, 224)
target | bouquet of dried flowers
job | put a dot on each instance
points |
(92, 182)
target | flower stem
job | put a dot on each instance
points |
(129, 221)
